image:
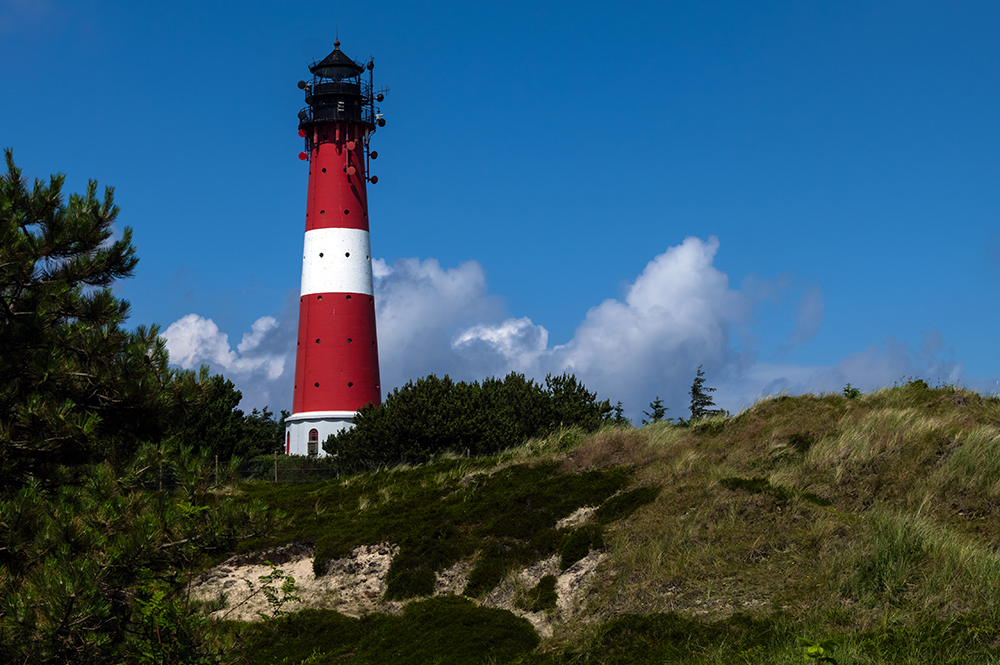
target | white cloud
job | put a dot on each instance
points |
(419, 306)
(257, 366)
(679, 313)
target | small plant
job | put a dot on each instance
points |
(821, 652)
(850, 392)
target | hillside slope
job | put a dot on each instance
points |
(868, 521)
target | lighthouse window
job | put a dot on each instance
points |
(347, 254)
(324, 170)
(313, 442)
(350, 384)
(348, 340)
(317, 340)
(322, 212)
(346, 211)
(316, 384)
(348, 297)
(319, 297)
(321, 255)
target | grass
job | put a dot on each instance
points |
(872, 521)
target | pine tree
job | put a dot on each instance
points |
(618, 416)
(656, 411)
(701, 401)
(70, 375)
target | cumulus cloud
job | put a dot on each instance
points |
(675, 316)
(259, 366)
(679, 313)
(420, 306)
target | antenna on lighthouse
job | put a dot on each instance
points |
(336, 361)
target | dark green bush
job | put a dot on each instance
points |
(578, 543)
(542, 597)
(444, 630)
(621, 506)
(431, 416)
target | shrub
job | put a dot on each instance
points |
(578, 544)
(434, 415)
(541, 597)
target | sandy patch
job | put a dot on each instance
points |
(355, 584)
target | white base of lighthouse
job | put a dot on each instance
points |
(306, 432)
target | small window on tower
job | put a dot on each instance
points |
(313, 442)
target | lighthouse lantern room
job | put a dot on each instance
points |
(336, 361)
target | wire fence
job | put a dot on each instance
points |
(289, 470)
(278, 469)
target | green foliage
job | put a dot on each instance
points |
(701, 400)
(74, 385)
(446, 630)
(656, 412)
(850, 392)
(618, 416)
(92, 553)
(434, 415)
(672, 638)
(621, 506)
(821, 652)
(207, 419)
(439, 515)
(578, 543)
(541, 597)
(89, 572)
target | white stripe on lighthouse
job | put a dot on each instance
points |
(337, 261)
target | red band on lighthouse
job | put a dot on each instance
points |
(336, 362)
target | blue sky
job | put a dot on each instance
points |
(795, 195)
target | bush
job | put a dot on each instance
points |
(431, 416)
(578, 544)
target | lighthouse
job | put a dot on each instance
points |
(336, 360)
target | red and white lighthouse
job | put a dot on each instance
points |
(336, 363)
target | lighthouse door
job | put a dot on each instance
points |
(313, 442)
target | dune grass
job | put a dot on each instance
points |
(870, 521)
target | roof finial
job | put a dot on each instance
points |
(336, 38)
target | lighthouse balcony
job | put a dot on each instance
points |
(337, 111)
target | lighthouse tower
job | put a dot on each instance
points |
(336, 363)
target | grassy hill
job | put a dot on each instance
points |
(872, 522)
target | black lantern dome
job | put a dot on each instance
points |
(336, 66)
(336, 92)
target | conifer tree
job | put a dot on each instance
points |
(656, 411)
(69, 373)
(701, 400)
(618, 416)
